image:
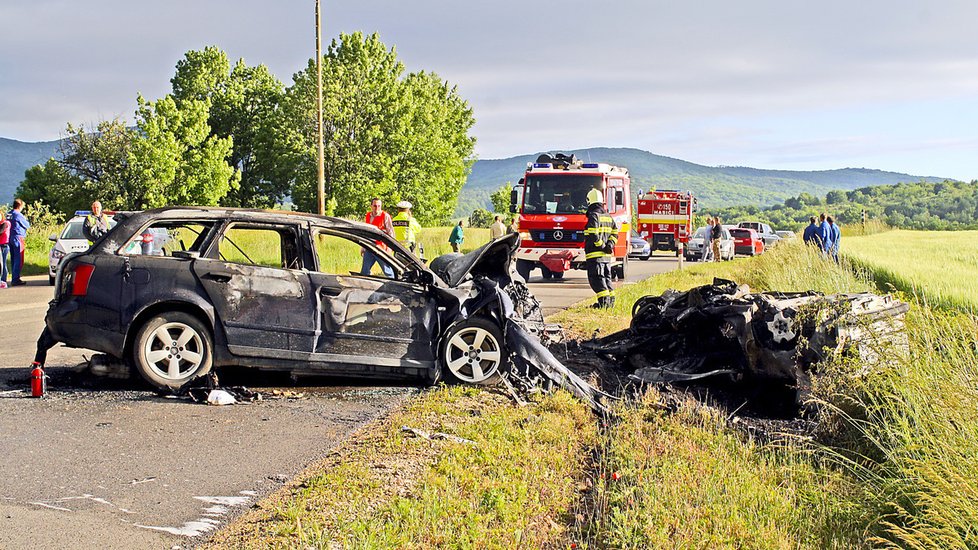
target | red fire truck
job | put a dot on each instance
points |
(665, 218)
(551, 199)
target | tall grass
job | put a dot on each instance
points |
(938, 266)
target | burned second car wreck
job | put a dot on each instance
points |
(177, 291)
(725, 330)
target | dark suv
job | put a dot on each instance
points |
(176, 291)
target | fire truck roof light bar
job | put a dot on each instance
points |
(542, 165)
(590, 165)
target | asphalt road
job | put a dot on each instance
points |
(103, 462)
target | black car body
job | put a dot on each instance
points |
(282, 291)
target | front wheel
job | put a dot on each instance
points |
(524, 267)
(173, 348)
(472, 351)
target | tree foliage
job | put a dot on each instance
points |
(233, 135)
(385, 134)
(244, 102)
(922, 205)
(500, 198)
(480, 218)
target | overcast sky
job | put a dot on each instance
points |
(766, 83)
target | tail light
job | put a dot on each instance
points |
(81, 275)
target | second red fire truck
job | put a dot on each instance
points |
(551, 199)
(665, 218)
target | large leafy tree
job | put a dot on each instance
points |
(175, 157)
(244, 102)
(386, 134)
(93, 163)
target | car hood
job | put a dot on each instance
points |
(491, 260)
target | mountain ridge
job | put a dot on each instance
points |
(715, 186)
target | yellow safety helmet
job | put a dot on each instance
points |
(595, 196)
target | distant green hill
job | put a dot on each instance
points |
(18, 156)
(947, 205)
(714, 186)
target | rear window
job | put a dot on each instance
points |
(164, 237)
(740, 233)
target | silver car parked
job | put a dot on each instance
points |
(694, 248)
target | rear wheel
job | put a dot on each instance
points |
(173, 348)
(557, 275)
(524, 267)
(472, 352)
(545, 271)
(620, 271)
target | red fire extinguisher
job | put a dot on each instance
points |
(39, 382)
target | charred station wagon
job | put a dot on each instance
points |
(177, 291)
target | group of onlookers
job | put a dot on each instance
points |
(13, 234)
(825, 235)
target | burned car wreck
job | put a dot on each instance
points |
(177, 291)
(725, 330)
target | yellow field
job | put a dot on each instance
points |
(938, 266)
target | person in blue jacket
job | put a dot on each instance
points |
(836, 235)
(809, 235)
(824, 234)
(18, 235)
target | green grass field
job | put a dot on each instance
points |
(939, 266)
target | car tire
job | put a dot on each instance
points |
(547, 274)
(51, 279)
(620, 271)
(647, 257)
(172, 349)
(524, 267)
(478, 335)
(557, 275)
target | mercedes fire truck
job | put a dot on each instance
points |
(665, 218)
(551, 200)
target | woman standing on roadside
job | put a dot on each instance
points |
(4, 248)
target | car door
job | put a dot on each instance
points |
(368, 319)
(254, 275)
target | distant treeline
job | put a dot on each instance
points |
(927, 206)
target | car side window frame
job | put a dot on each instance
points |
(204, 237)
(213, 251)
(399, 261)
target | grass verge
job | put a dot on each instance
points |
(512, 488)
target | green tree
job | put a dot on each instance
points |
(480, 218)
(244, 103)
(500, 198)
(51, 184)
(385, 134)
(175, 157)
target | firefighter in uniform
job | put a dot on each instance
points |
(600, 237)
(407, 230)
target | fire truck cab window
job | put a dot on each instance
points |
(558, 193)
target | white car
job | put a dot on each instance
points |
(694, 248)
(71, 239)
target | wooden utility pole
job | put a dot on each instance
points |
(321, 170)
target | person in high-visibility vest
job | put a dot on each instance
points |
(600, 237)
(96, 223)
(407, 230)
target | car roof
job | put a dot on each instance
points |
(243, 214)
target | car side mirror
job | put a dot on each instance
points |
(514, 197)
(619, 197)
(186, 254)
(53, 238)
(419, 276)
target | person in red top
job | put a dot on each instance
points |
(381, 220)
(4, 248)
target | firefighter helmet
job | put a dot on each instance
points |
(594, 196)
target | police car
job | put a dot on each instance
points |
(71, 239)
